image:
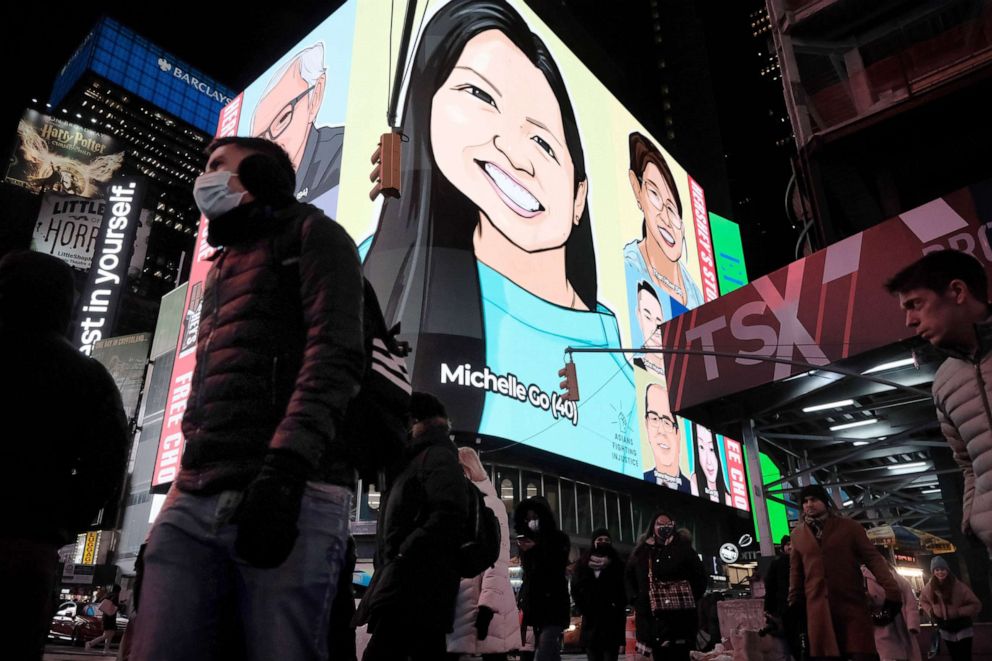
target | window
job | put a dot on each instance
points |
(598, 509)
(508, 481)
(568, 518)
(531, 485)
(551, 494)
(613, 515)
(583, 510)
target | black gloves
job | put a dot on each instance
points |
(482, 621)
(885, 616)
(268, 513)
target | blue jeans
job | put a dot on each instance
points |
(200, 601)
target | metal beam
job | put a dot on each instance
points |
(846, 457)
(751, 456)
(876, 480)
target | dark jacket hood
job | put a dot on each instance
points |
(540, 506)
(36, 293)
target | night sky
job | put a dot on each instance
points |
(234, 49)
(40, 37)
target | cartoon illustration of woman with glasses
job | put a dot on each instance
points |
(664, 439)
(487, 258)
(658, 257)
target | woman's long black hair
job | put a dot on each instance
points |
(422, 261)
(721, 485)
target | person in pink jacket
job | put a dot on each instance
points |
(895, 640)
(952, 606)
(486, 618)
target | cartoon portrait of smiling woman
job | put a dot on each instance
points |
(658, 258)
(487, 258)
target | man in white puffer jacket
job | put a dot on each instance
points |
(486, 618)
(945, 296)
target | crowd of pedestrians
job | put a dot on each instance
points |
(251, 556)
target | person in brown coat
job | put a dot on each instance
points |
(825, 580)
(952, 605)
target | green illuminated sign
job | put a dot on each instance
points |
(729, 253)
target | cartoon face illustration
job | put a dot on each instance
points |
(661, 214)
(706, 455)
(649, 315)
(663, 429)
(286, 112)
(496, 134)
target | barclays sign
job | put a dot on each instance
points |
(201, 86)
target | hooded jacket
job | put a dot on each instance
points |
(56, 470)
(543, 595)
(961, 392)
(280, 347)
(421, 524)
(491, 589)
(601, 597)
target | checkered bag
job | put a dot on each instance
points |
(669, 595)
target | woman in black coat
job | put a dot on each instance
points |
(600, 595)
(666, 580)
(543, 598)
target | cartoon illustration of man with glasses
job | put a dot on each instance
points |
(664, 439)
(286, 114)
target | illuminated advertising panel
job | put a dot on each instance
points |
(51, 154)
(535, 214)
(68, 227)
(171, 439)
(729, 253)
(107, 277)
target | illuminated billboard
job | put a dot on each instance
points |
(729, 253)
(536, 213)
(54, 155)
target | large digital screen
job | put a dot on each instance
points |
(729, 253)
(54, 155)
(536, 214)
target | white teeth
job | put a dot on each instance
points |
(667, 235)
(517, 193)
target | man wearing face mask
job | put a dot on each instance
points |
(244, 559)
(600, 595)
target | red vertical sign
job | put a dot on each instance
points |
(704, 243)
(170, 444)
(735, 473)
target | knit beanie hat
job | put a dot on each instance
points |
(815, 491)
(939, 563)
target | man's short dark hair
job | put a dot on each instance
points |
(643, 285)
(936, 270)
(425, 406)
(283, 163)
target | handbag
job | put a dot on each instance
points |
(669, 595)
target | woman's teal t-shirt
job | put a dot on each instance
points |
(526, 336)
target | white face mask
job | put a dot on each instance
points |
(534, 525)
(213, 195)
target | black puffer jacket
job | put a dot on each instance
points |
(601, 599)
(279, 349)
(422, 518)
(543, 595)
(676, 561)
